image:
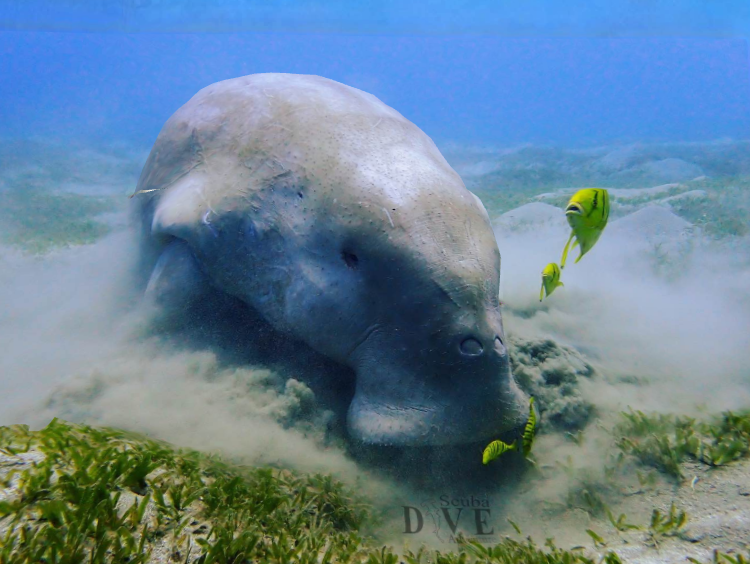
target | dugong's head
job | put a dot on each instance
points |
(342, 224)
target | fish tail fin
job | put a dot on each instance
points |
(565, 250)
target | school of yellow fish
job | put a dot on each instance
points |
(526, 440)
(587, 213)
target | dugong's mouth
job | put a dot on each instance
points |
(432, 423)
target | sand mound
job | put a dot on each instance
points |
(531, 217)
(652, 225)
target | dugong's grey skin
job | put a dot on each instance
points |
(341, 223)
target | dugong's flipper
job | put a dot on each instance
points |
(176, 281)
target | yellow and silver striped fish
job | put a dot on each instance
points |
(550, 280)
(587, 213)
(529, 431)
(496, 449)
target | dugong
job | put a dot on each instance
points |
(340, 223)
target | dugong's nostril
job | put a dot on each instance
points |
(471, 347)
(500, 347)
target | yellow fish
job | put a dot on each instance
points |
(529, 431)
(498, 448)
(587, 213)
(550, 279)
(495, 449)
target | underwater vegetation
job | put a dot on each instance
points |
(721, 211)
(618, 512)
(664, 525)
(60, 194)
(74, 493)
(38, 221)
(101, 495)
(661, 525)
(665, 441)
(720, 558)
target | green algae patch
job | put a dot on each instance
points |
(39, 221)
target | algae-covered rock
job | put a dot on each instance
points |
(551, 373)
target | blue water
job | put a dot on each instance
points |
(683, 75)
(505, 17)
(498, 72)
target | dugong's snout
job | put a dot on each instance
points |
(464, 393)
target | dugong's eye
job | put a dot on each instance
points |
(251, 233)
(351, 260)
